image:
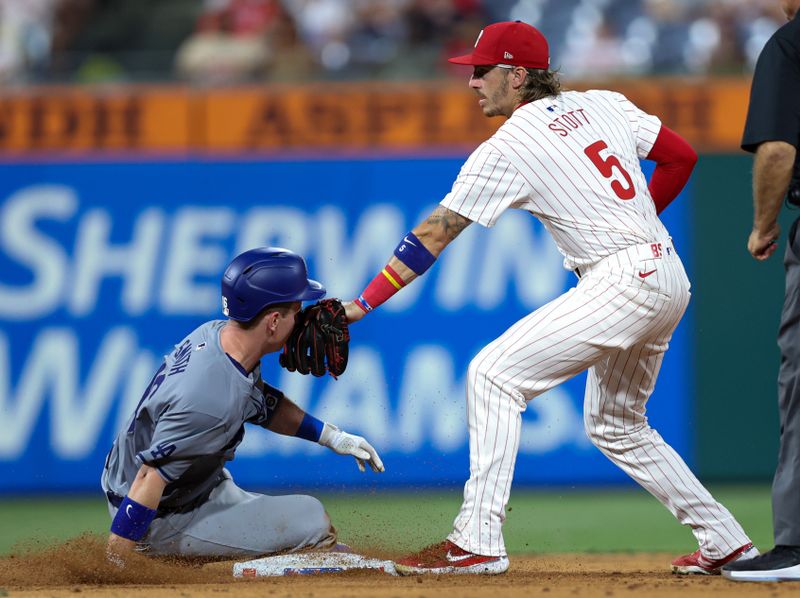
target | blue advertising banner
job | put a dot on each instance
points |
(104, 266)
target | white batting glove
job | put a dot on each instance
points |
(343, 443)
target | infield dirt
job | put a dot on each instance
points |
(79, 567)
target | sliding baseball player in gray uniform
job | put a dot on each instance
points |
(165, 477)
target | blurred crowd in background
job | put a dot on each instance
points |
(225, 42)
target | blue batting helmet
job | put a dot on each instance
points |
(262, 276)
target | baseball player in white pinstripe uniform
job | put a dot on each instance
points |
(571, 159)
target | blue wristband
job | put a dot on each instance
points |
(310, 428)
(414, 254)
(132, 520)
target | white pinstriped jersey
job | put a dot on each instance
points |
(573, 162)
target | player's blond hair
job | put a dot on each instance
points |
(540, 83)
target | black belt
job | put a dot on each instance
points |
(116, 500)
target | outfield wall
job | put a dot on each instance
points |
(107, 264)
(112, 241)
(332, 116)
(737, 303)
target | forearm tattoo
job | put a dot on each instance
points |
(451, 222)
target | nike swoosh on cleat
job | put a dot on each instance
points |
(645, 274)
(454, 559)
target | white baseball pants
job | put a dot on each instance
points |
(617, 322)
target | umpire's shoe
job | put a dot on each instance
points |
(782, 563)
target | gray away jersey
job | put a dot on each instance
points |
(190, 420)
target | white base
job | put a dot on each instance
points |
(495, 567)
(310, 563)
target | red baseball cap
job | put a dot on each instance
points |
(511, 42)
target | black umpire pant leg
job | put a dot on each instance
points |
(786, 484)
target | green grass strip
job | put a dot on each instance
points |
(627, 520)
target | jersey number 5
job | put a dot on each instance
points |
(606, 166)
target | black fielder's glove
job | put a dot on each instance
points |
(319, 341)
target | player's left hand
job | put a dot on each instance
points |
(342, 443)
(319, 342)
(354, 312)
(118, 550)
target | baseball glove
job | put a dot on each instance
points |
(319, 341)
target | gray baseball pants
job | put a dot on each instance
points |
(786, 485)
(235, 523)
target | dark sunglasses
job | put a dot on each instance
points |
(479, 72)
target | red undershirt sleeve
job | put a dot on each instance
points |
(674, 159)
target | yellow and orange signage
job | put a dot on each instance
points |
(328, 117)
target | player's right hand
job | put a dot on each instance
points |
(342, 443)
(353, 312)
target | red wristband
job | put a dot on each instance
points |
(383, 286)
